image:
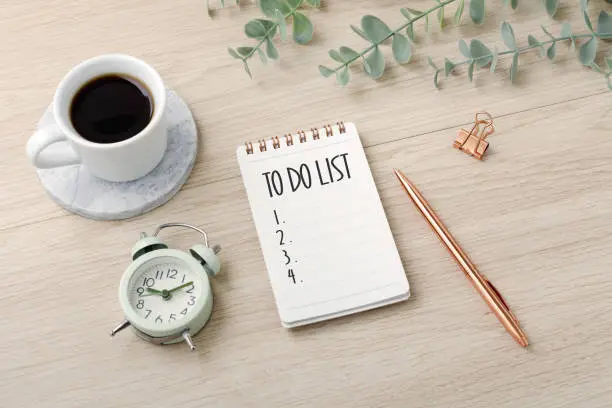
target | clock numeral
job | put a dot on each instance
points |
(183, 280)
(158, 319)
(172, 317)
(148, 282)
(140, 304)
(191, 301)
(140, 291)
(148, 313)
(184, 311)
(190, 290)
(172, 273)
(159, 274)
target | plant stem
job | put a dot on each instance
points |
(392, 33)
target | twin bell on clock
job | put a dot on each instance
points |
(165, 293)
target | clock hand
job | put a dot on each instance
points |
(154, 291)
(184, 285)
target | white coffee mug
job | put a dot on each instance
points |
(121, 161)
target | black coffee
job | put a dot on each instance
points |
(111, 108)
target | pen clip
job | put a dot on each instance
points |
(502, 300)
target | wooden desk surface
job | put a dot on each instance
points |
(535, 216)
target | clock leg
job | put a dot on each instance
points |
(187, 338)
(125, 324)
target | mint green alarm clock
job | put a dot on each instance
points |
(165, 293)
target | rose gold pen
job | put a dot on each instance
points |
(486, 289)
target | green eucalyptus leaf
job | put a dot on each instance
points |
(246, 68)
(459, 12)
(533, 43)
(552, 51)
(374, 63)
(348, 54)
(609, 81)
(262, 56)
(464, 49)
(402, 51)
(440, 16)
(271, 50)
(268, 7)
(514, 4)
(477, 11)
(479, 52)
(414, 12)
(604, 23)
(326, 72)
(566, 30)
(588, 50)
(335, 55)
(508, 35)
(245, 51)
(448, 67)
(431, 63)
(471, 70)
(609, 62)
(495, 59)
(406, 13)
(436, 79)
(302, 28)
(234, 53)
(360, 33)
(514, 67)
(314, 3)
(410, 31)
(587, 19)
(255, 29)
(282, 25)
(551, 7)
(375, 29)
(343, 76)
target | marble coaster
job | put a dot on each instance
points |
(78, 191)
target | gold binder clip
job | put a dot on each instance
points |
(473, 142)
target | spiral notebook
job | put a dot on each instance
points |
(322, 229)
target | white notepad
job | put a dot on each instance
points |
(322, 229)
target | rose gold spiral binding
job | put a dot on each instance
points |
(301, 134)
(275, 142)
(262, 146)
(289, 139)
(329, 131)
(315, 133)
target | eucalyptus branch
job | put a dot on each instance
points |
(479, 55)
(264, 30)
(376, 32)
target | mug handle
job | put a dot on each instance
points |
(42, 139)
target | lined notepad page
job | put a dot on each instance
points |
(325, 239)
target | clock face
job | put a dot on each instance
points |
(165, 293)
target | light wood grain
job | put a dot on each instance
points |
(535, 216)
